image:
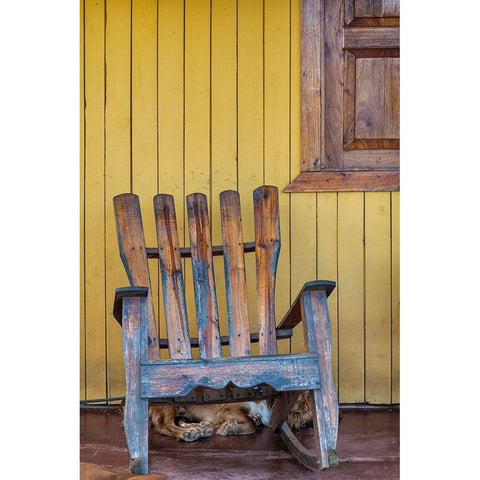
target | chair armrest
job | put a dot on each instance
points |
(121, 293)
(294, 315)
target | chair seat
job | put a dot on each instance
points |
(167, 378)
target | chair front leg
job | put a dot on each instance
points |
(319, 341)
(135, 319)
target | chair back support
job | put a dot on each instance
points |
(235, 279)
(133, 253)
(267, 247)
(172, 277)
(203, 276)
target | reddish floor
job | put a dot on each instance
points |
(368, 448)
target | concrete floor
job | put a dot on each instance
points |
(368, 448)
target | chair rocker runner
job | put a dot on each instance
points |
(213, 378)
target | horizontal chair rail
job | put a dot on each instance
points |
(225, 339)
(166, 378)
(186, 252)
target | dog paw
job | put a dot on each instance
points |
(227, 428)
(207, 428)
(191, 434)
(195, 431)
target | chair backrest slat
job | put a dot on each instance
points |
(267, 249)
(133, 253)
(235, 282)
(172, 277)
(203, 276)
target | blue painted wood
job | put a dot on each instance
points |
(135, 348)
(294, 315)
(267, 250)
(235, 278)
(123, 292)
(172, 277)
(178, 377)
(318, 339)
(203, 276)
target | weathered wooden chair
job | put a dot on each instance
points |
(213, 378)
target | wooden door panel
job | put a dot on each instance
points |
(369, 13)
(365, 103)
(371, 99)
(350, 96)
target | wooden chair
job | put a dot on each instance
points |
(182, 379)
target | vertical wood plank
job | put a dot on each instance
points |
(395, 297)
(203, 276)
(235, 281)
(351, 354)
(303, 233)
(171, 114)
(82, 201)
(135, 313)
(132, 248)
(332, 108)
(250, 129)
(277, 128)
(117, 167)
(94, 201)
(224, 128)
(377, 298)
(144, 118)
(197, 118)
(327, 256)
(267, 249)
(312, 53)
(298, 211)
(172, 277)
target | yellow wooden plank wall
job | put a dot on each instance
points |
(203, 96)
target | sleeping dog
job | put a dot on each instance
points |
(192, 422)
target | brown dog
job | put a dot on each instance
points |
(192, 422)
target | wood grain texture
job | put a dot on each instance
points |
(346, 181)
(144, 84)
(170, 110)
(267, 239)
(283, 333)
(250, 135)
(377, 298)
(332, 86)
(203, 276)
(177, 166)
(117, 163)
(395, 255)
(131, 243)
(235, 279)
(197, 120)
(371, 37)
(312, 62)
(294, 315)
(327, 256)
(277, 126)
(178, 377)
(94, 196)
(172, 277)
(82, 378)
(319, 339)
(351, 298)
(223, 142)
(303, 238)
(135, 320)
